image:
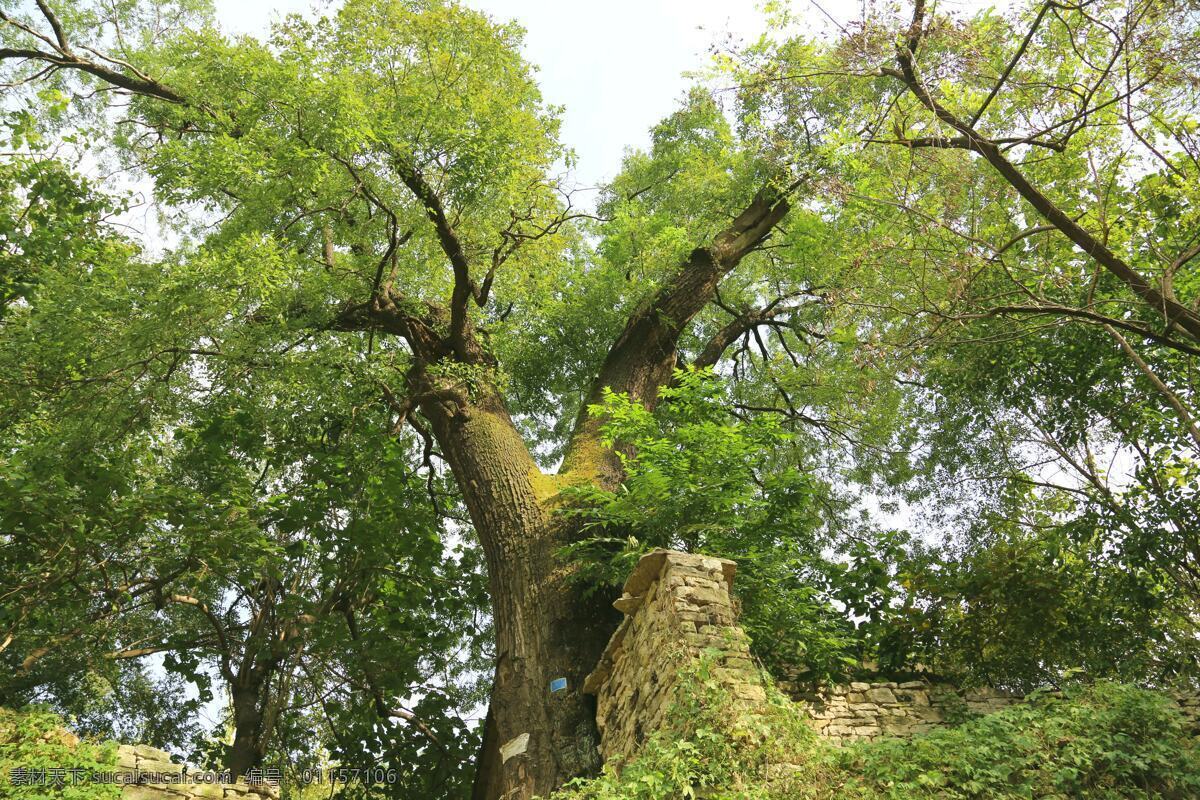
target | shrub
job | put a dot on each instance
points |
(1100, 742)
(1103, 741)
(36, 740)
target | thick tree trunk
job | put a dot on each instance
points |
(545, 631)
(541, 729)
(246, 751)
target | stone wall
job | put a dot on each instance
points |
(148, 762)
(868, 710)
(677, 606)
(871, 709)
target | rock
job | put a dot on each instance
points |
(881, 695)
(160, 766)
(141, 792)
(150, 753)
(208, 791)
(627, 603)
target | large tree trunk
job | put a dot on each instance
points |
(545, 630)
(246, 751)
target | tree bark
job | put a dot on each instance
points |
(536, 738)
(247, 751)
(545, 630)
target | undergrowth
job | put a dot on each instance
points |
(1100, 742)
(35, 740)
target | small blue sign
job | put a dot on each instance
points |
(558, 684)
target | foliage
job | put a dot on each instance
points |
(35, 739)
(1037, 604)
(245, 487)
(224, 448)
(1103, 741)
(700, 480)
(706, 749)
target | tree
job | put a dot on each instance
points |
(1037, 217)
(424, 173)
(376, 205)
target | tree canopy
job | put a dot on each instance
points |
(356, 440)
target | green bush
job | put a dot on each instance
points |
(36, 740)
(1104, 741)
(704, 751)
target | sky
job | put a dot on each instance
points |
(617, 66)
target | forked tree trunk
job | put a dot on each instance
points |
(546, 631)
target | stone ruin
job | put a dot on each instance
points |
(145, 760)
(678, 607)
(868, 710)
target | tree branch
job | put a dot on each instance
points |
(451, 245)
(1189, 423)
(226, 653)
(62, 56)
(1011, 64)
(712, 351)
(644, 355)
(1173, 312)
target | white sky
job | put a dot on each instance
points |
(617, 66)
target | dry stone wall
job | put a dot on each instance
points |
(162, 779)
(677, 606)
(868, 710)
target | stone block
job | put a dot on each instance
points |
(209, 791)
(703, 598)
(140, 792)
(628, 603)
(881, 695)
(916, 698)
(930, 714)
(160, 766)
